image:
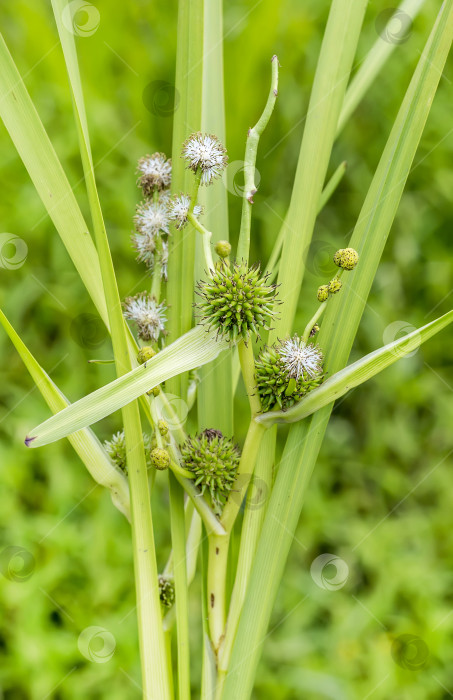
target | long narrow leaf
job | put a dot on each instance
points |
(357, 373)
(38, 155)
(192, 350)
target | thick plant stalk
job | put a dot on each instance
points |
(214, 398)
(187, 119)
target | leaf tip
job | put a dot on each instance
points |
(29, 440)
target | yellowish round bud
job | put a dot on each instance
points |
(144, 354)
(346, 258)
(160, 459)
(163, 427)
(222, 248)
(323, 292)
(335, 285)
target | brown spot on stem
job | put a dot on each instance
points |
(212, 600)
(217, 550)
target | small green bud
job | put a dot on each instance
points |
(144, 354)
(166, 590)
(163, 427)
(154, 392)
(335, 285)
(160, 459)
(347, 258)
(323, 292)
(223, 249)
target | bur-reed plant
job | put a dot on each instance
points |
(208, 307)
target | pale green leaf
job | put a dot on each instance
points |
(192, 350)
(357, 373)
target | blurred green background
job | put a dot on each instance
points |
(381, 496)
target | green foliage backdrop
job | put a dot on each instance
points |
(380, 498)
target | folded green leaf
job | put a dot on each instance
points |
(357, 373)
(192, 350)
(84, 441)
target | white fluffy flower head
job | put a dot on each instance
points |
(152, 218)
(145, 246)
(205, 151)
(300, 358)
(148, 315)
(155, 173)
(178, 209)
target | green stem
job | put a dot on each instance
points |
(319, 312)
(255, 511)
(216, 587)
(247, 362)
(207, 235)
(157, 271)
(178, 538)
(251, 149)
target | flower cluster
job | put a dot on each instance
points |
(204, 153)
(345, 259)
(286, 371)
(178, 210)
(149, 316)
(214, 460)
(116, 450)
(236, 300)
(166, 590)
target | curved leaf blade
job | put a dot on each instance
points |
(192, 350)
(357, 373)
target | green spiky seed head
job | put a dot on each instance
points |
(166, 591)
(160, 459)
(163, 427)
(236, 301)
(214, 460)
(314, 330)
(323, 292)
(287, 371)
(116, 450)
(335, 285)
(144, 354)
(155, 391)
(223, 249)
(346, 258)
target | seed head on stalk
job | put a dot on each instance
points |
(148, 315)
(214, 460)
(236, 301)
(286, 371)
